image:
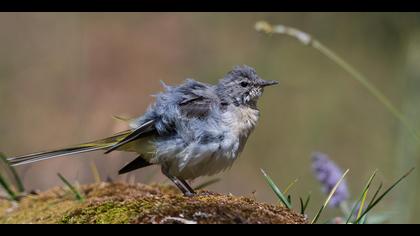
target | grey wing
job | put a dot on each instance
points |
(197, 106)
(176, 105)
(197, 99)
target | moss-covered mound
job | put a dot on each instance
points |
(123, 203)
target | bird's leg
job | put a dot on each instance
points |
(187, 191)
(185, 188)
(187, 185)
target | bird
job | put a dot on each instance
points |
(193, 129)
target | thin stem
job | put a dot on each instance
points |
(367, 84)
(308, 40)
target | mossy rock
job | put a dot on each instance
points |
(138, 203)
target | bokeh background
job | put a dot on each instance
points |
(64, 75)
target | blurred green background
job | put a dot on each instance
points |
(64, 75)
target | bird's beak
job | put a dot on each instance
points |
(265, 83)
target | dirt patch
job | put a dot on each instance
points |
(123, 203)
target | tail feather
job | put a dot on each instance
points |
(137, 163)
(144, 129)
(81, 148)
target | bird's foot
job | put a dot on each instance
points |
(190, 194)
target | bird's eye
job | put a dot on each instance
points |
(244, 84)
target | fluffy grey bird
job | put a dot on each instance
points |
(193, 129)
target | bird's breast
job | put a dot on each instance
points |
(241, 120)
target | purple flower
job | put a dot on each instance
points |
(328, 174)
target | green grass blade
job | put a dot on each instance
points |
(363, 220)
(95, 172)
(290, 186)
(304, 205)
(308, 40)
(376, 194)
(206, 184)
(276, 190)
(373, 204)
(76, 193)
(362, 205)
(301, 206)
(12, 170)
(329, 197)
(362, 198)
(5, 185)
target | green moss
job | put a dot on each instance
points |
(33, 210)
(4, 205)
(103, 213)
(122, 203)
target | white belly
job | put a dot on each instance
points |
(196, 159)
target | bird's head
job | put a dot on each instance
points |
(242, 86)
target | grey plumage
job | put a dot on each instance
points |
(196, 129)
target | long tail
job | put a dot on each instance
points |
(81, 148)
